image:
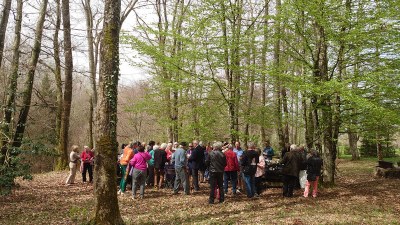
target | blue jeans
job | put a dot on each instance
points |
(250, 185)
(232, 176)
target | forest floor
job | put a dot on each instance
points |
(357, 198)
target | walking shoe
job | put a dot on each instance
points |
(119, 192)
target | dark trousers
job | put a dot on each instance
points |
(87, 167)
(195, 175)
(288, 185)
(232, 176)
(150, 175)
(216, 180)
(259, 186)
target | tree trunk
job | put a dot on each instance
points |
(91, 112)
(251, 56)
(264, 74)
(107, 210)
(27, 94)
(353, 139)
(379, 152)
(327, 113)
(62, 161)
(3, 26)
(278, 87)
(57, 73)
(12, 89)
(308, 123)
(92, 65)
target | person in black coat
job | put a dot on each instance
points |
(160, 158)
(196, 161)
(291, 167)
(314, 165)
(216, 162)
(249, 162)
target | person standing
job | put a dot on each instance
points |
(127, 155)
(268, 151)
(87, 159)
(314, 164)
(160, 158)
(73, 162)
(180, 161)
(150, 163)
(303, 167)
(290, 171)
(216, 163)
(259, 173)
(139, 173)
(188, 154)
(249, 163)
(196, 160)
(239, 152)
(231, 169)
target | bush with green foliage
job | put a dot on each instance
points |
(368, 148)
(20, 161)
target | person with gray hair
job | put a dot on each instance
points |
(180, 161)
(216, 162)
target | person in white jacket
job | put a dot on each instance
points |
(73, 162)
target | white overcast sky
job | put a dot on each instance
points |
(128, 72)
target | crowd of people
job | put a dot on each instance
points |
(182, 166)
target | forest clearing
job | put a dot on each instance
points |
(357, 198)
(91, 82)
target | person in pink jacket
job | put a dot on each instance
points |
(139, 171)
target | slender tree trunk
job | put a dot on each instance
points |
(264, 74)
(286, 115)
(3, 26)
(107, 210)
(379, 151)
(57, 71)
(92, 65)
(12, 89)
(163, 25)
(236, 71)
(251, 56)
(308, 121)
(278, 87)
(64, 134)
(27, 94)
(228, 75)
(91, 120)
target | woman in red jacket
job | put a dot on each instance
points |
(231, 169)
